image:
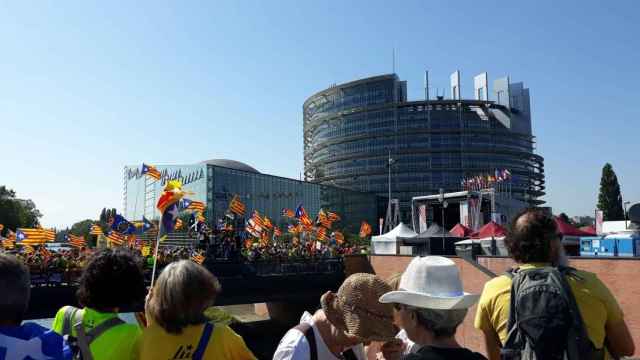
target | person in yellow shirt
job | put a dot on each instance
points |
(111, 281)
(533, 243)
(176, 325)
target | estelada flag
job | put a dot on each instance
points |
(151, 171)
(95, 230)
(115, 238)
(198, 258)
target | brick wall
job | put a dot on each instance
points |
(617, 274)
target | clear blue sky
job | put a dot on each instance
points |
(86, 88)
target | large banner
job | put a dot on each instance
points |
(423, 218)
(599, 221)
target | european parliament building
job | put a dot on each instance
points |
(353, 131)
(215, 182)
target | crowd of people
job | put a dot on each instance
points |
(541, 309)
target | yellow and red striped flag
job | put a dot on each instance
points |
(28, 249)
(8, 244)
(333, 216)
(323, 219)
(33, 236)
(321, 234)
(365, 229)
(200, 217)
(49, 234)
(151, 171)
(96, 230)
(339, 237)
(115, 238)
(77, 241)
(198, 258)
(45, 252)
(197, 206)
(236, 206)
(257, 219)
(267, 222)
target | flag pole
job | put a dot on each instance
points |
(155, 252)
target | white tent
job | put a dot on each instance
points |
(501, 248)
(387, 244)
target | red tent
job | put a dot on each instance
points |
(491, 229)
(565, 229)
(461, 231)
(589, 229)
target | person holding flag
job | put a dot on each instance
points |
(168, 206)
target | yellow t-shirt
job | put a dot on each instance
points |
(118, 342)
(224, 344)
(597, 305)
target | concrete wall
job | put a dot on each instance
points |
(617, 274)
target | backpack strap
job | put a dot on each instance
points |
(67, 319)
(307, 330)
(86, 338)
(204, 341)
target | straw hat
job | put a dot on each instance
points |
(355, 309)
(431, 282)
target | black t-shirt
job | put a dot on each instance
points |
(436, 353)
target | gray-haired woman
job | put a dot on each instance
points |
(176, 325)
(430, 305)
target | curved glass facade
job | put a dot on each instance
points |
(351, 129)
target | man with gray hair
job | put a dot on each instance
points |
(430, 305)
(28, 340)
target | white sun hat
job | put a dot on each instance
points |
(431, 282)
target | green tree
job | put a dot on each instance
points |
(82, 228)
(610, 199)
(15, 213)
(564, 217)
(103, 215)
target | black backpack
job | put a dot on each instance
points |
(544, 320)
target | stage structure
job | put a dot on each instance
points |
(471, 208)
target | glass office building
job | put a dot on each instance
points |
(215, 182)
(353, 129)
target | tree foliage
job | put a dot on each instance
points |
(15, 213)
(82, 228)
(610, 199)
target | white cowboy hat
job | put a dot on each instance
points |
(431, 282)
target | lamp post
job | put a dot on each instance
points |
(625, 214)
(444, 206)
